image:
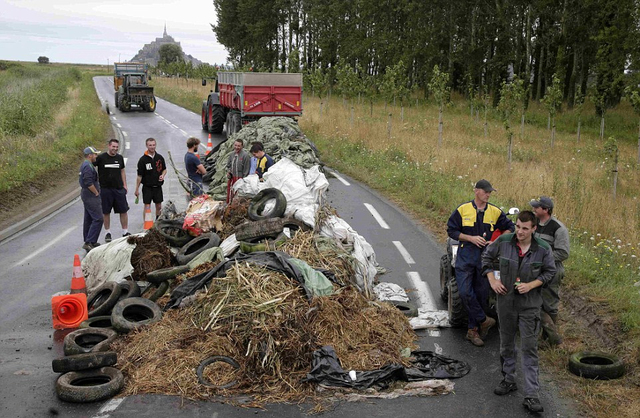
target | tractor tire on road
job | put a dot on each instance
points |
(457, 313)
(445, 276)
(216, 119)
(89, 385)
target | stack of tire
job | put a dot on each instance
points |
(87, 372)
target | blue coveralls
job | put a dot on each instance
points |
(472, 286)
(93, 219)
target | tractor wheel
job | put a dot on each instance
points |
(125, 105)
(236, 123)
(216, 120)
(205, 117)
(457, 313)
(445, 276)
(151, 104)
(116, 100)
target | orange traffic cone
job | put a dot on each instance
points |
(68, 311)
(148, 219)
(77, 280)
(209, 145)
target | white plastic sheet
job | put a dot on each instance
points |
(108, 262)
(390, 292)
(430, 319)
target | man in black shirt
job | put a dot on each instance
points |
(113, 185)
(151, 171)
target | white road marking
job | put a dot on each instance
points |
(109, 406)
(125, 134)
(424, 294)
(118, 125)
(46, 247)
(184, 132)
(125, 160)
(339, 177)
(127, 145)
(113, 118)
(174, 126)
(376, 215)
(403, 252)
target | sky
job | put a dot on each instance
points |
(104, 31)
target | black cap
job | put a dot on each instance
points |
(484, 185)
(544, 202)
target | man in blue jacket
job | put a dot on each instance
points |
(472, 224)
(90, 195)
(525, 264)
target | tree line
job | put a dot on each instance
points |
(585, 44)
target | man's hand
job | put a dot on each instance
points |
(478, 241)
(523, 288)
(161, 178)
(136, 193)
(497, 286)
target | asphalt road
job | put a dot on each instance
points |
(37, 263)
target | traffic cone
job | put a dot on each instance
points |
(77, 280)
(68, 311)
(148, 219)
(209, 145)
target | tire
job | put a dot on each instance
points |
(596, 365)
(85, 361)
(216, 121)
(457, 313)
(260, 200)
(133, 313)
(155, 292)
(197, 245)
(88, 340)
(129, 289)
(211, 360)
(103, 298)
(445, 276)
(266, 228)
(115, 100)
(97, 322)
(90, 385)
(407, 308)
(236, 123)
(151, 104)
(162, 275)
(172, 231)
(204, 117)
(125, 104)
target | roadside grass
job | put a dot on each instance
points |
(49, 115)
(187, 93)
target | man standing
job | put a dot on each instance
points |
(526, 263)
(472, 224)
(263, 160)
(90, 195)
(556, 234)
(113, 184)
(237, 166)
(151, 171)
(195, 169)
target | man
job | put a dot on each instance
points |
(195, 169)
(90, 195)
(526, 263)
(151, 171)
(237, 166)
(113, 184)
(472, 224)
(263, 160)
(556, 235)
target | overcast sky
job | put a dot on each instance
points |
(94, 31)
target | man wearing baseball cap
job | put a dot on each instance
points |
(90, 195)
(556, 234)
(472, 224)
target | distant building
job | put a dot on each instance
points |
(150, 53)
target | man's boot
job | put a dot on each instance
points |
(549, 329)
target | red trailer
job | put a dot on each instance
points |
(240, 98)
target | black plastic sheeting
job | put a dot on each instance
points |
(327, 370)
(273, 260)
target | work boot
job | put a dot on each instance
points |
(107, 238)
(505, 387)
(549, 329)
(486, 326)
(87, 246)
(472, 335)
(126, 235)
(533, 404)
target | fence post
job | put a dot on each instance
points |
(389, 126)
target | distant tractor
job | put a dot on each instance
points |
(130, 81)
(240, 98)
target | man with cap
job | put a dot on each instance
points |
(556, 234)
(90, 195)
(472, 224)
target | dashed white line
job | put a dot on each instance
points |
(403, 252)
(119, 126)
(339, 177)
(46, 247)
(125, 134)
(376, 215)
(127, 145)
(113, 118)
(125, 160)
(110, 406)
(174, 126)
(184, 132)
(424, 294)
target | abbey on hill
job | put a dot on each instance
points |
(150, 52)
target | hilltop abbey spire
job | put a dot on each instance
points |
(164, 35)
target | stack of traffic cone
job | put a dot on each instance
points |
(209, 145)
(77, 280)
(68, 311)
(148, 219)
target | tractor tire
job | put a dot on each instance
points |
(596, 365)
(457, 313)
(125, 104)
(197, 245)
(216, 119)
(236, 123)
(133, 313)
(103, 298)
(260, 200)
(90, 385)
(85, 361)
(204, 117)
(172, 231)
(88, 340)
(445, 276)
(116, 99)
(151, 104)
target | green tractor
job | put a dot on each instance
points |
(131, 87)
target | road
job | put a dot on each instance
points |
(37, 263)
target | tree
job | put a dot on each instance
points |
(552, 101)
(510, 99)
(634, 98)
(578, 105)
(439, 88)
(43, 60)
(319, 81)
(170, 53)
(612, 151)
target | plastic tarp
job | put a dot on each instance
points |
(390, 292)
(206, 256)
(303, 188)
(315, 281)
(430, 319)
(203, 215)
(108, 262)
